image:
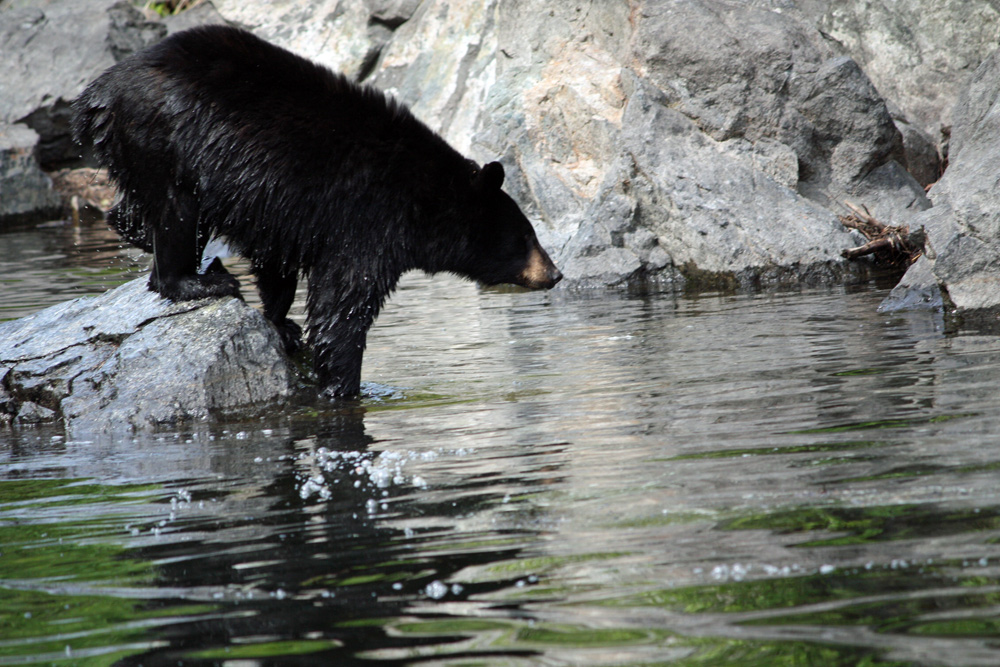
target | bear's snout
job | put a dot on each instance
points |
(539, 272)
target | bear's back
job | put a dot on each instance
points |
(235, 74)
(246, 130)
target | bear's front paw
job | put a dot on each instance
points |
(291, 335)
(190, 288)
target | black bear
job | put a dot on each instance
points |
(215, 132)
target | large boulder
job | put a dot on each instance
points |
(130, 359)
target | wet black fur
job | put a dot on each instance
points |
(216, 132)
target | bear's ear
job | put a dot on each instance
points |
(489, 178)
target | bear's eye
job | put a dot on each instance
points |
(516, 246)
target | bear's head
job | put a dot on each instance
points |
(503, 246)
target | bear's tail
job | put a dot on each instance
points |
(93, 124)
(92, 119)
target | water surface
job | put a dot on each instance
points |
(560, 478)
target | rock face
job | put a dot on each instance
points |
(695, 141)
(130, 359)
(961, 265)
(690, 142)
(918, 54)
(699, 143)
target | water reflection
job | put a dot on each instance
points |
(234, 551)
(554, 478)
(51, 263)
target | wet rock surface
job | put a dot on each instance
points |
(130, 359)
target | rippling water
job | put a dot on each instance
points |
(561, 478)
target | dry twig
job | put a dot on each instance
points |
(894, 246)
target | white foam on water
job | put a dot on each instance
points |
(373, 471)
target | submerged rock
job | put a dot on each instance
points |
(131, 359)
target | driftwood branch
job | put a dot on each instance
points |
(868, 248)
(891, 245)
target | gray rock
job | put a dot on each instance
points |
(130, 359)
(890, 193)
(203, 13)
(335, 33)
(130, 30)
(727, 135)
(32, 413)
(923, 154)
(918, 290)
(441, 63)
(68, 41)
(687, 205)
(48, 38)
(741, 72)
(50, 50)
(963, 228)
(25, 191)
(919, 53)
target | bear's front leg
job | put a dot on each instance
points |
(337, 360)
(338, 330)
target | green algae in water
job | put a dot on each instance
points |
(40, 612)
(266, 649)
(884, 424)
(863, 525)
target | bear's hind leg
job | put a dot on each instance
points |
(177, 255)
(277, 292)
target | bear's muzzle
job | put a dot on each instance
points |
(539, 272)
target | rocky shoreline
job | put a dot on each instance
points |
(698, 144)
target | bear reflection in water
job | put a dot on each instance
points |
(215, 132)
